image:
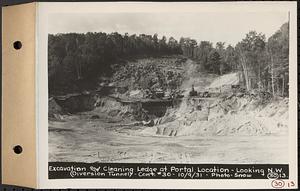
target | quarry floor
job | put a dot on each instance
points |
(80, 139)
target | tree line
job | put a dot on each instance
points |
(76, 60)
(263, 62)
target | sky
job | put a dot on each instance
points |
(209, 26)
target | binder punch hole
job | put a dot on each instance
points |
(17, 45)
(18, 149)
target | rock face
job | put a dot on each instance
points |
(53, 107)
(151, 73)
(54, 110)
(78, 103)
(157, 109)
(135, 109)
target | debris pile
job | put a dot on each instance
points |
(151, 74)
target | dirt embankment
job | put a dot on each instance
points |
(224, 116)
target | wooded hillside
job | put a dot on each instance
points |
(263, 62)
(76, 61)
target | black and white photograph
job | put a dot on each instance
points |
(169, 87)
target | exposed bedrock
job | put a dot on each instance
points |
(78, 103)
(136, 110)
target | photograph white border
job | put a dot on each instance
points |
(45, 9)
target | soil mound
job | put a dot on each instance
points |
(228, 116)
